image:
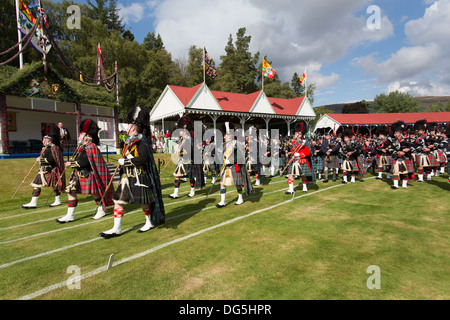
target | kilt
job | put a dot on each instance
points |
(440, 156)
(388, 159)
(431, 158)
(83, 185)
(357, 165)
(333, 164)
(141, 194)
(304, 170)
(409, 164)
(186, 168)
(318, 162)
(210, 168)
(238, 179)
(45, 179)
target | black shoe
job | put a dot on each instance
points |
(140, 231)
(108, 235)
(344, 182)
(172, 197)
(23, 207)
(325, 181)
(220, 205)
(394, 187)
(289, 192)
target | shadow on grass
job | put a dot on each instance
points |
(185, 212)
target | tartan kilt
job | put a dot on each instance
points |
(389, 160)
(304, 170)
(441, 156)
(141, 195)
(333, 164)
(83, 185)
(238, 179)
(433, 160)
(318, 162)
(357, 165)
(187, 170)
(409, 164)
(214, 168)
(45, 179)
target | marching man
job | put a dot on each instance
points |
(139, 177)
(300, 155)
(90, 174)
(186, 168)
(51, 169)
(232, 173)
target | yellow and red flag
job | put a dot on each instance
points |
(268, 71)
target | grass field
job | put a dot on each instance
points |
(317, 245)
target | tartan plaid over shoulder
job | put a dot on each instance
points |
(100, 172)
(59, 159)
(157, 215)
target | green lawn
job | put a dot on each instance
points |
(317, 245)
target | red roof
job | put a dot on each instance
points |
(235, 102)
(238, 102)
(185, 94)
(388, 118)
(286, 106)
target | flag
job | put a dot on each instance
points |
(210, 67)
(26, 20)
(41, 12)
(303, 78)
(268, 71)
(99, 53)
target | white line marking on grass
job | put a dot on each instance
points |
(144, 253)
(98, 238)
(62, 229)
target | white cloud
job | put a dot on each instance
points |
(293, 34)
(426, 56)
(132, 13)
(424, 87)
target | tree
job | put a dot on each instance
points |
(238, 69)
(299, 90)
(396, 102)
(439, 107)
(153, 42)
(356, 107)
(106, 11)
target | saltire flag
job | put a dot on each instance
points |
(268, 71)
(210, 67)
(41, 12)
(303, 78)
(26, 19)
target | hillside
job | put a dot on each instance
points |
(425, 103)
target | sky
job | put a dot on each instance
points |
(352, 50)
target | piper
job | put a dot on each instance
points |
(139, 178)
(51, 169)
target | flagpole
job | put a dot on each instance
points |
(262, 75)
(19, 35)
(306, 87)
(204, 71)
